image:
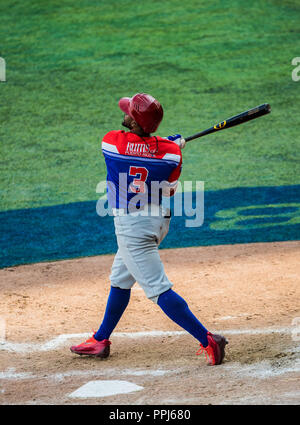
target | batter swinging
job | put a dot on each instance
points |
(140, 170)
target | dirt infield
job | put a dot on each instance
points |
(248, 292)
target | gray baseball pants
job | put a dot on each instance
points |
(137, 258)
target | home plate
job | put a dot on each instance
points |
(104, 389)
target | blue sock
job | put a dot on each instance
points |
(177, 309)
(116, 304)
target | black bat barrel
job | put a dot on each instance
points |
(249, 115)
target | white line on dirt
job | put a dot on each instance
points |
(107, 372)
(61, 340)
(10, 374)
(262, 370)
(233, 317)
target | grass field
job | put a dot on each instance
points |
(69, 62)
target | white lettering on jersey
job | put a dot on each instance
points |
(140, 149)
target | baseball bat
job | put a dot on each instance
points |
(251, 114)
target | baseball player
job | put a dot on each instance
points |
(142, 168)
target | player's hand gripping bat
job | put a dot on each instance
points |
(251, 114)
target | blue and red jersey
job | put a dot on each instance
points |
(137, 166)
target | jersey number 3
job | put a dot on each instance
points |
(138, 184)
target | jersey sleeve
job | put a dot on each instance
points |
(170, 187)
(110, 143)
(110, 137)
(175, 174)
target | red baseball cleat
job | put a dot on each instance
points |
(215, 351)
(92, 347)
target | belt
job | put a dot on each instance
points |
(148, 209)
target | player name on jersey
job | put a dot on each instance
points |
(138, 149)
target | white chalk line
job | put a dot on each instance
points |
(262, 370)
(259, 370)
(61, 340)
(11, 374)
(233, 317)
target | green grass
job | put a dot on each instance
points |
(69, 62)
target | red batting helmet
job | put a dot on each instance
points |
(144, 109)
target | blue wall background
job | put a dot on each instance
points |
(239, 215)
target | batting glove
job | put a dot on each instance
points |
(178, 139)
